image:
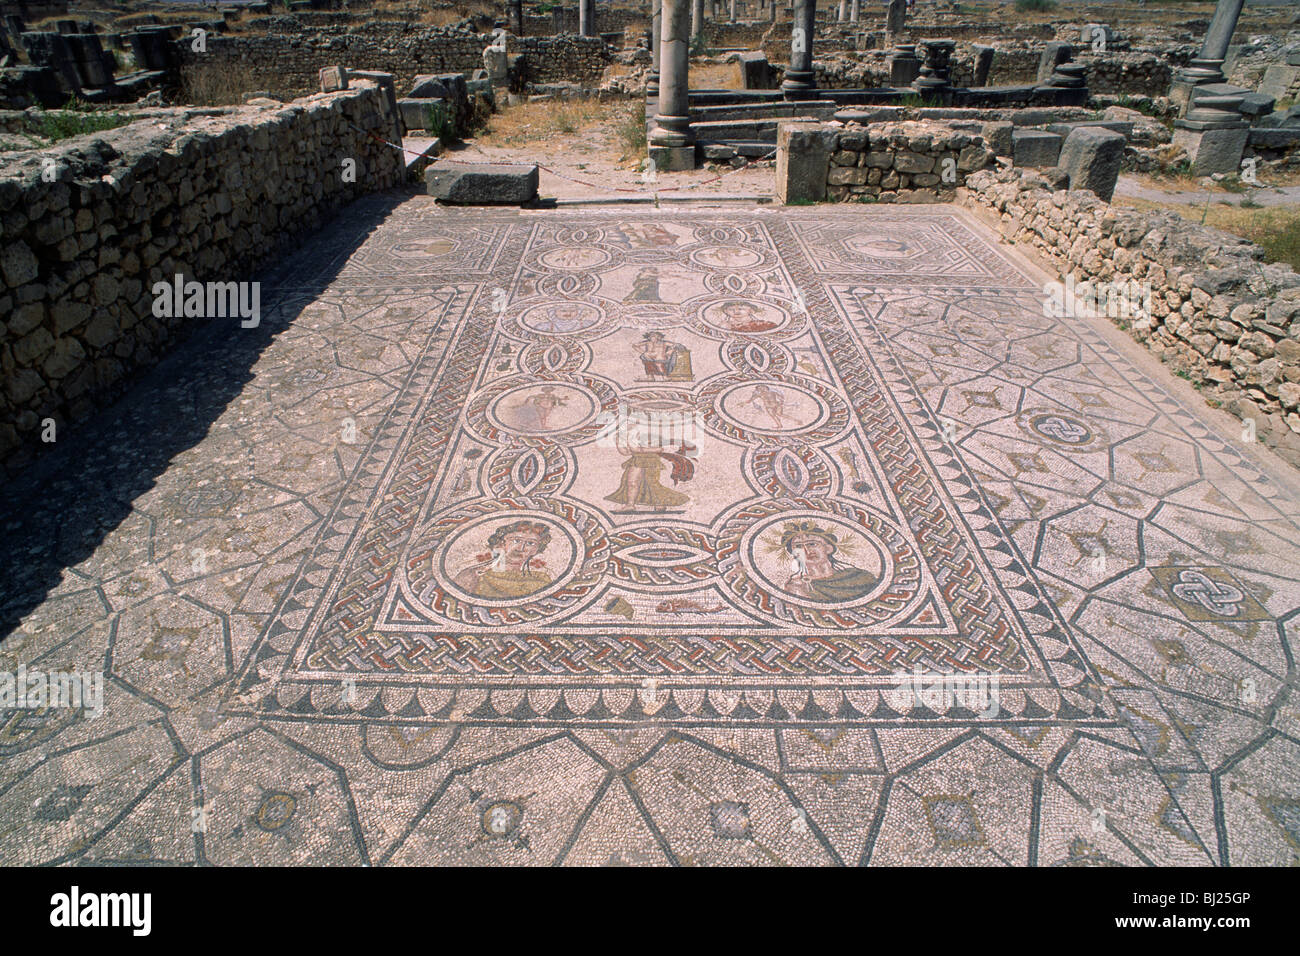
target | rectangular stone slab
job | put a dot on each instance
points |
(1035, 148)
(482, 184)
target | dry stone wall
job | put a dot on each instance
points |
(289, 64)
(1137, 74)
(1217, 313)
(902, 162)
(209, 197)
(905, 162)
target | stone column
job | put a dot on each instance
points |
(896, 17)
(1207, 68)
(697, 18)
(933, 83)
(904, 65)
(1222, 26)
(855, 11)
(656, 25)
(731, 11)
(672, 145)
(800, 83)
(587, 18)
(517, 16)
(843, 11)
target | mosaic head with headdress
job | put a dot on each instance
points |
(808, 532)
(521, 531)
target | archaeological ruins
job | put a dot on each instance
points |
(650, 432)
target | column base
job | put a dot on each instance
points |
(1197, 73)
(671, 130)
(799, 85)
(672, 159)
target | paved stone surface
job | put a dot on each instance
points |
(624, 537)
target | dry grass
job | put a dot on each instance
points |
(615, 127)
(716, 76)
(1183, 181)
(438, 16)
(543, 121)
(1275, 229)
(212, 84)
(1124, 17)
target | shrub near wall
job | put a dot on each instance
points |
(1218, 313)
(207, 196)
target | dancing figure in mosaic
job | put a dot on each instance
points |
(641, 486)
(664, 360)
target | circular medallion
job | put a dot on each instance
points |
(506, 561)
(575, 258)
(776, 407)
(530, 409)
(276, 810)
(563, 317)
(736, 316)
(726, 258)
(501, 818)
(820, 562)
(548, 408)
(1061, 429)
(773, 408)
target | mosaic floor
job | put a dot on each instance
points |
(736, 536)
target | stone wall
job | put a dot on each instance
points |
(906, 162)
(210, 197)
(1137, 74)
(902, 162)
(607, 21)
(289, 65)
(838, 68)
(1218, 314)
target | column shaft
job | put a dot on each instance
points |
(656, 25)
(673, 122)
(1219, 34)
(800, 82)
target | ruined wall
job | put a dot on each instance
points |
(904, 162)
(1218, 314)
(1012, 67)
(1137, 74)
(207, 196)
(289, 64)
(607, 21)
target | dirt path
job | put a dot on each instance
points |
(1131, 187)
(590, 164)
